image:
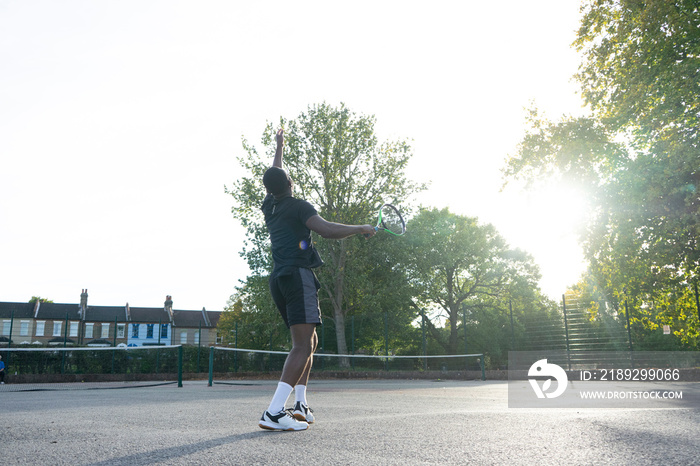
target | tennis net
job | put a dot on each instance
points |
(227, 363)
(58, 368)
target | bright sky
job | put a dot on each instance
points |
(120, 122)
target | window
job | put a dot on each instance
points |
(57, 329)
(105, 330)
(149, 330)
(121, 329)
(196, 338)
(6, 327)
(183, 338)
(24, 328)
(164, 331)
(74, 329)
(88, 330)
(134, 330)
(40, 327)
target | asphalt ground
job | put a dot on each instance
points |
(368, 422)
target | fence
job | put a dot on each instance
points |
(494, 333)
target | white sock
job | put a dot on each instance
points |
(279, 400)
(300, 393)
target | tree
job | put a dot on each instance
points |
(40, 299)
(639, 75)
(637, 153)
(640, 68)
(250, 319)
(455, 265)
(338, 165)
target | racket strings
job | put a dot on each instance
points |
(391, 220)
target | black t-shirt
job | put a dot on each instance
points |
(291, 239)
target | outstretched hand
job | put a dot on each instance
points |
(280, 137)
(277, 162)
(368, 231)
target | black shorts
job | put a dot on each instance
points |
(295, 292)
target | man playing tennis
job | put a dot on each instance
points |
(294, 286)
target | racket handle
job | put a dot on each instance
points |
(367, 235)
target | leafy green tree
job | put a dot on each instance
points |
(250, 319)
(636, 154)
(456, 265)
(340, 167)
(641, 66)
(40, 299)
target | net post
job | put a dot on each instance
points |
(211, 365)
(65, 341)
(12, 323)
(352, 320)
(179, 366)
(9, 342)
(114, 344)
(235, 354)
(483, 368)
(386, 340)
(199, 344)
(157, 351)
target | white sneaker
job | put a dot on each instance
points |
(281, 421)
(302, 412)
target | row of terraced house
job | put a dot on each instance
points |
(44, 324)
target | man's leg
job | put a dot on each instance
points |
(303, 337)
(307, 370)
(298, 364)
(301, 410)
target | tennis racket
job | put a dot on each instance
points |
(390, 220)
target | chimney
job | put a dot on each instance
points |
(83, 300)
(82, 309)
(169, 308)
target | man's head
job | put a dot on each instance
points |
(277, 182)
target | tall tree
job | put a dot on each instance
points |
(250, 319)
(637, 153)
(339, 166)
(456, 265)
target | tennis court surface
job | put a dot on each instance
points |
(369, 422)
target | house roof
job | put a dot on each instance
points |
(192, 319)
(148, 314)
(214, 317)
(188, 319)
(58, 311)
(106, 314)
(17, 310)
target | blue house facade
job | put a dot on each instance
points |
(149, 327)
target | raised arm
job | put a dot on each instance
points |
(332, 230)
(277, 162)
